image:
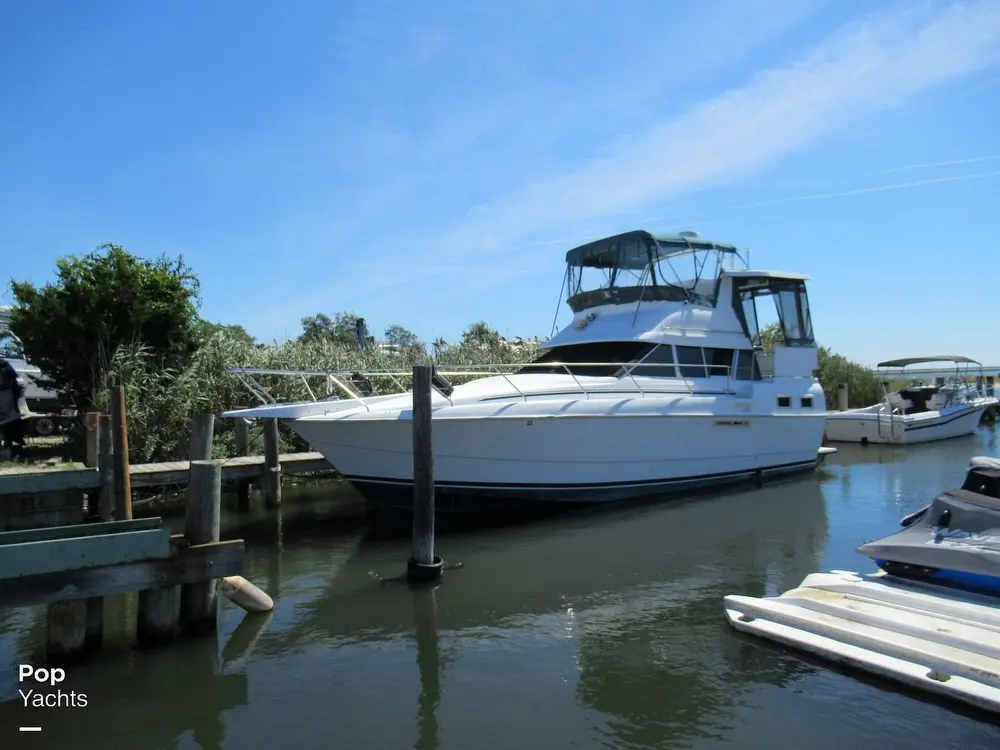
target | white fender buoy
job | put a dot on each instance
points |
(241, 592)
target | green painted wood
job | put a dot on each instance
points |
(35, 482)
(54, 555)
(78, 530)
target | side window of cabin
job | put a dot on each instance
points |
(746, 365)
(719, 361)
(691, 363)
(658, 364)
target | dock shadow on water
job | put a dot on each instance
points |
(587, 629)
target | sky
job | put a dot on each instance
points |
(429, 164)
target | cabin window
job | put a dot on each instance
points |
(659, 363)
(791, 304)
(807, 402)
(746, 365)
(601, 358)
(719, 362)
(784, 401)
(691, 361)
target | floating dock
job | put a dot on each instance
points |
(930, 637)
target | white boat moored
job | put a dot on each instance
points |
(941, 640)
(917, 413)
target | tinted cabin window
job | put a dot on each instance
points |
(658, 364)
(746, 365)
(719, 361)
(691, 363)
(602, 358)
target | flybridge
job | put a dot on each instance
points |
(641, 265)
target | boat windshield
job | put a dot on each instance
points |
(643, 266)
(10, 346)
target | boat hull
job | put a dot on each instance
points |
(977, 582)
(870, 427)
(498, 463)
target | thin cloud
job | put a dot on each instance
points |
(866, 67)
(935, 164)
(878, 189)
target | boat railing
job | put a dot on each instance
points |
(362, 385)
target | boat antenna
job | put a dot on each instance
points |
(562, 289)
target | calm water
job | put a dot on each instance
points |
(599, 630)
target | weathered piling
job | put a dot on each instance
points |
(106, 469)
(156, 621)
(423, 564)
(94, 630)
(66, 631)
(202, 437)
(242, 430)
(199, 601)
(843, 397)
(272, 465)
(122, 474)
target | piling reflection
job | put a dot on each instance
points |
(157, 696)
(429, 665)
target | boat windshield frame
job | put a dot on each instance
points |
(650, 255)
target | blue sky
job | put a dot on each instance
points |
(429, 164)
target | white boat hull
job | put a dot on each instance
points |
(872, 426)
(569, 458)
(929, 637)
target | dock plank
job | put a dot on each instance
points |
(39, 481)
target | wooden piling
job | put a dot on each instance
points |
(106, 469)
(272, 465)
(122, 475)
(242, 429)
(66, 631)
(843, 397)
(199, 601)
(94, 629)
(202, 438)
(156, 620)
(423, 564)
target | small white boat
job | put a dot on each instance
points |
(917, 413)
(659, 383)
(929, 619)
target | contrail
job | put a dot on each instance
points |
(933, 164)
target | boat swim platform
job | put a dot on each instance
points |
(933, 638)
(25, 480)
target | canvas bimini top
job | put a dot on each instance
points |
(646, 265)
(907, 361)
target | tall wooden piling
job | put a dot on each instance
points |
(156, 621)
(106, 469)
(202, 438)
(843, 397)
(94, 635)
(66, 631)
(423, 564)
(122, 474)
(199, 601)
(272, 465)
(242, 429)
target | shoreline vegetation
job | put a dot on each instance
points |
(141, 326)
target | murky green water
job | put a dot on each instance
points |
(598, 630)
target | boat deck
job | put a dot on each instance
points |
(930, 637)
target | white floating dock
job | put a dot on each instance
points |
(930, 637)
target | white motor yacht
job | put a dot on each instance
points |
(917, 413)
(659, 383)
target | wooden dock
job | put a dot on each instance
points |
(33, 480)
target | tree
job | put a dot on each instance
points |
(480, 334)
(71, 328)
(341, 330)
(401, 337)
